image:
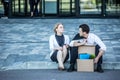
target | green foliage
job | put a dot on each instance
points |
(92, 56)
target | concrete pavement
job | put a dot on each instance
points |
(53, 74)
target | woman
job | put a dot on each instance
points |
(59, 46)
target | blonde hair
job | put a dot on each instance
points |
(56, 26)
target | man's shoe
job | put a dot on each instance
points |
(99, 69)
(71, 68)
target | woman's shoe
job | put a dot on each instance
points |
(61, 69)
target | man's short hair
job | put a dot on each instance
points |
(85, 28)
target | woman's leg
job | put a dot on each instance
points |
(60, 59)
(64, 53)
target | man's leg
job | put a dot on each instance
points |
(73, 57)
(5, 8)
(99, 64)
(36, 7)
(31, 7)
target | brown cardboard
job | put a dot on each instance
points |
(86, 49)
(86, 65)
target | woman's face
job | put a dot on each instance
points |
(60, 29)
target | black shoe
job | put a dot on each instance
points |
(71, 68)
(99, 69)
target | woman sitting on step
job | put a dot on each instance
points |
(59, 46)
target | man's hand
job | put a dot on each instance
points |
(96, 60)
(76, 43)
(84, 42)
(99, 55)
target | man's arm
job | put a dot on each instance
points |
(75, 40)
(76, 43)
(102, 48)
(101, 52)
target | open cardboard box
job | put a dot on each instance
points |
(86, 65)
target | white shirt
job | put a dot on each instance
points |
(53, 43)
(92, 40)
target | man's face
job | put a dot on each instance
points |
(81, 32)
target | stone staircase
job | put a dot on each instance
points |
(24, 42)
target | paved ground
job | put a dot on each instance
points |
(54, 74)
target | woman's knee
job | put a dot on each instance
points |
(59, 52)
(64, 48)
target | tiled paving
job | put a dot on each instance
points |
(24, 42)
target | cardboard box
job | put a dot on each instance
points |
(86, 65)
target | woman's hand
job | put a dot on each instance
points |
(60, 48)
(66, 45)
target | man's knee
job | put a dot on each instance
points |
(73, 50)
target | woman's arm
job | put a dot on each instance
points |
(51, 44)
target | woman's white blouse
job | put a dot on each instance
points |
(53, 42)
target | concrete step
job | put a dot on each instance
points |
(50, 65)
(40, 61)
(24, 43)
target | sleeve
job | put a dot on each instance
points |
(67, 40)
(51, 45)
(75, 37)
(100, 43)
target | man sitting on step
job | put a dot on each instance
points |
(88, 38)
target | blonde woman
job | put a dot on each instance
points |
(58, 44)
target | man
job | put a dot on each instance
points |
(6, 7)
(82, 38)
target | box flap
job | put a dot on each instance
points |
(90, 49)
